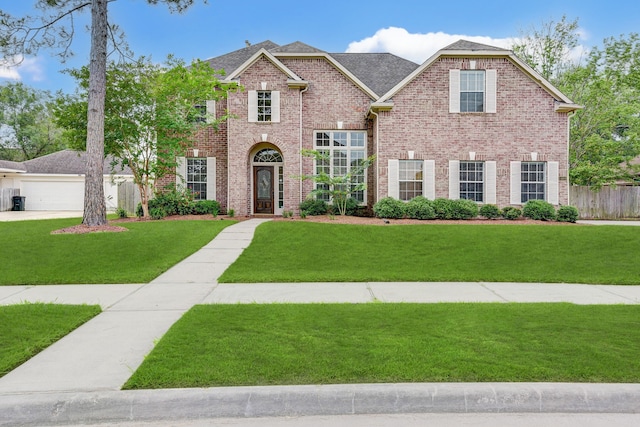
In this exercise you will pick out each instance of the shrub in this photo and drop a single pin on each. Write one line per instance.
(352, 207)
(464, 209)
(231, 213)
(122, 212)
(157, 212)
(389, 208)
(539, 210)
(510, 212)
(204, 207)
(420, 208)
(443, 208)
(490, 211)
(314, 207)
(567, 214)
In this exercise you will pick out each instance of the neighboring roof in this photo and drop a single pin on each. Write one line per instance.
(9, 166)
(379, 71)
(67, 162)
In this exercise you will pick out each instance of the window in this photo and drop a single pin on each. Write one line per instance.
(342, 150)
(197, 177)
(472, 181)
(472, 90)
(200, 113)
(532, 181)
(264, 106)
(410, 178)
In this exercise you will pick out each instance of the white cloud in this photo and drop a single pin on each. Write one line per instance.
(29, 68)
(417, 47)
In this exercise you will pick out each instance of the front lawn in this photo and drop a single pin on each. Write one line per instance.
(311, 252)
(28, 329)
(33, 256)
(233, 345)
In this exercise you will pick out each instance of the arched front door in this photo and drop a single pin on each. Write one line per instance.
(268, 189)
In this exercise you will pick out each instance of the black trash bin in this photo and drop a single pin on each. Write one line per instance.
(18, 203)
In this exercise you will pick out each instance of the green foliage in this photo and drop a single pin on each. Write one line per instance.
(351, 206)
(443, 208)
(464, 209)
(157, 213)
(339, 187)
(27, 123)
(567, 214)
(420, 208)
(511, 213)
(389, 208)
(539, 210)
(204, 207)
(231, 213)
(121, 212)
(313, 207)
(489, 211)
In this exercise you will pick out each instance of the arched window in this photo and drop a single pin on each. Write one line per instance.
(267, 155)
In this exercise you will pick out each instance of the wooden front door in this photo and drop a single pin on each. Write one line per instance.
(263, 189)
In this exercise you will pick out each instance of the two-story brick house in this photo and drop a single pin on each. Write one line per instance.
(472, 122)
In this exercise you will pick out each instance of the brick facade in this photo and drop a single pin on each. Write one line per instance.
(418, 121)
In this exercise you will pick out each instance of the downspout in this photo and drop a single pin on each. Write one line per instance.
(377, 142)
(301, 137)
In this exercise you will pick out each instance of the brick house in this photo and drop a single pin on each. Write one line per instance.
(472, 122)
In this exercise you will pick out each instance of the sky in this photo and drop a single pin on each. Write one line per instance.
(414, 30)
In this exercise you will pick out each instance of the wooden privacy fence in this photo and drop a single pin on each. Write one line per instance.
(128, 196)
(606, 203)
(6, 201)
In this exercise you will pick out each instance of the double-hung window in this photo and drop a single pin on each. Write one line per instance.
(342, 151)
(197, 177)
(532, 181)
(264, 106)
(410, 178)
(472, 181)
(472, 90)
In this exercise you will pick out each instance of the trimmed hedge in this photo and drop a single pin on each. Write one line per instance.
(389, 208)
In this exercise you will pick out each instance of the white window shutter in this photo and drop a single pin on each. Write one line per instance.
(429, 179)
(394, 178)
(454, 179)
(490, 182)
(553, 188)
(211, 178)
(491, 89)
(516, 191)
(275, 106)
(211, 111)
(253, 106)
(181, 172)
(454, 91)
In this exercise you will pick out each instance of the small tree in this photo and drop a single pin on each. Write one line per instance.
(339, 188)
(150, 115)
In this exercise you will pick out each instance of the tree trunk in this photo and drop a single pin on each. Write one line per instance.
(95, 209)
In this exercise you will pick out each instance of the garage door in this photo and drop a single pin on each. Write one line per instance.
(53, 195)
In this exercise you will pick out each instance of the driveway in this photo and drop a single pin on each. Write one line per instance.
(26, 215)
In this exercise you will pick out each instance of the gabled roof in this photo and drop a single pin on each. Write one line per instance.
(231, 61)
(9, 166)
(66, 162)
(472, 46)
(295, 47)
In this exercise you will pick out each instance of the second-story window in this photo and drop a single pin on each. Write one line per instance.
(264, 106)
(472, 90)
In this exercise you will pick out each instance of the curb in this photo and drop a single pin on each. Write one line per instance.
(289, 401)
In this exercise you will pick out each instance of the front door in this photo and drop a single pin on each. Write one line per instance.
(263, 189)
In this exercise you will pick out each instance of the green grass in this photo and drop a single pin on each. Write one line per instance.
(27, 329)
(312, 252)
(33, 256)
(233, 345)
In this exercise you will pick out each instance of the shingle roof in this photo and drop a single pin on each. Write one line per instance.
(467, 45)
(9, 166)
(66, 162)
(379, 71)
(296, 47)
(232, 60)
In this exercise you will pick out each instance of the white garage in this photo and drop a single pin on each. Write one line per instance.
(55, 182)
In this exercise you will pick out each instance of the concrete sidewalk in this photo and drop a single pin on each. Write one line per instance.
(78, 379)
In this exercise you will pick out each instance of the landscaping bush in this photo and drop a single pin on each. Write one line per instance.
(420, 208)
(443, 208)
(157, 212)
(121, 212)
(352, 207)
(314, 207)
(539, 210)
(464, 209)
(490, 211)
(204, 207)
(389, 208)
(567, 214)
(510, 212)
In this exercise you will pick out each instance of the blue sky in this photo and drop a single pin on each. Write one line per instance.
(411, 29)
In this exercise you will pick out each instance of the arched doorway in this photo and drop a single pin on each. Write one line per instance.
(268, 184)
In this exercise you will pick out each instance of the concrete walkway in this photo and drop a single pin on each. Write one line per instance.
(78, 379)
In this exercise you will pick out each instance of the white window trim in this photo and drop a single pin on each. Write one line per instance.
(490, 88)
(181, 176)
(253, 106)
(428, 179)
(553, 183)
(489, 190)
